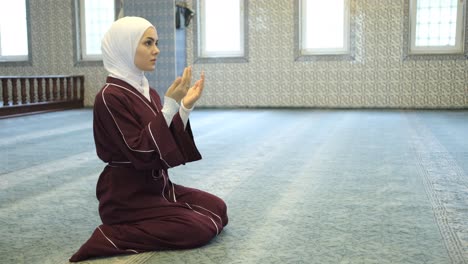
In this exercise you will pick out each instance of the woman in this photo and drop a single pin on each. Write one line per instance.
(139, 139)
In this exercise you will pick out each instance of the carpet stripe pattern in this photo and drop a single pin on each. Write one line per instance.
(301, 185)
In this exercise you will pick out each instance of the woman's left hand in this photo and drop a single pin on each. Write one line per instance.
(194, 93)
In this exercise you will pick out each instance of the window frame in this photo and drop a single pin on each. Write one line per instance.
(457, 49)
(344, 54)
(408, 54)
(24, 60)
(198, 38)
(79, 41)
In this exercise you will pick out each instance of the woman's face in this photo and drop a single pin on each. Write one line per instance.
(147, 50)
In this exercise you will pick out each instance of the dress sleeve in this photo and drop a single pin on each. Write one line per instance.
(184, 137)
(147, 145)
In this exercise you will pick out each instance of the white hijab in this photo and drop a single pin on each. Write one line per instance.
(118, 48)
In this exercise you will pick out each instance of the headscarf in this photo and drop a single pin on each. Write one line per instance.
(118, 48)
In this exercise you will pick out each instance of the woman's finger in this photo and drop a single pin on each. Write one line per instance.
(186, 77)
(175, 84)
(190, 74)
(203, 77)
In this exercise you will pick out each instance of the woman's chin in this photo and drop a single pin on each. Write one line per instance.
(150, 68)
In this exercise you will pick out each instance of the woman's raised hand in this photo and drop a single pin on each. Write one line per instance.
(195, 92)
(180, 86)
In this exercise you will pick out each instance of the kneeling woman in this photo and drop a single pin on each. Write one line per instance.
(139, 139)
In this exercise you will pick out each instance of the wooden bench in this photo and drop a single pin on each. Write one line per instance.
(31, 94)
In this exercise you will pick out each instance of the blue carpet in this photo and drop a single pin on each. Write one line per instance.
(302, 186)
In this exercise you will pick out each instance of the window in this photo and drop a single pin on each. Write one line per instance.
(436, 26)
(324, 27)
(221, 29)
(14, 44)
(95, 18)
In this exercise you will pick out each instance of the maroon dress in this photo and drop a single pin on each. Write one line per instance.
(141, 209)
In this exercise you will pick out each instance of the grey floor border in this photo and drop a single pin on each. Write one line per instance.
(421, 136)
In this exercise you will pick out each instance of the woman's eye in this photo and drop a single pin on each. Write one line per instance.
(157, 43)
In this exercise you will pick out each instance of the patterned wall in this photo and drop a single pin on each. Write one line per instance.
(52, 46)
(378, 77)
(160, 13)
(52, 30)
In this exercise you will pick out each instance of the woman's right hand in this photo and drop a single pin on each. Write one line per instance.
(180, 86)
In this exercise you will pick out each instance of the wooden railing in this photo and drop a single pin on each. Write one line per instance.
(28, 94)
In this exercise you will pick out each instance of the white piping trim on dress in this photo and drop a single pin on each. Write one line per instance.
(113, 118)
(154, 102)
(114, 244)
(159, 151)
(214, 223)
(164, 186)
(149, 128)
(108, 238)
(209, 211)
(166, 179)
(173, 192)
(136, 96)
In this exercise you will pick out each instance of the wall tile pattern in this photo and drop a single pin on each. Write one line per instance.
(52, 39)
(378, 77)
(160, 13)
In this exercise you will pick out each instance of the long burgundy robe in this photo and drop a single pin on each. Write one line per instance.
(141, 209)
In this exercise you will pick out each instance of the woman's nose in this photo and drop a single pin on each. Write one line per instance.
(156, 50)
